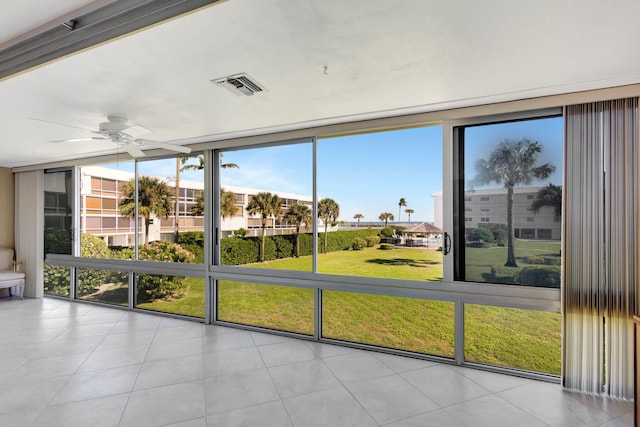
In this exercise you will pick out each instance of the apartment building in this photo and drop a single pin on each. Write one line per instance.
(488, 208)
(100, 214)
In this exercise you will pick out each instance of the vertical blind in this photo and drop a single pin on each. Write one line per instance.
(600, 246)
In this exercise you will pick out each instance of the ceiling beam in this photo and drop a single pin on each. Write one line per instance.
(105, 23)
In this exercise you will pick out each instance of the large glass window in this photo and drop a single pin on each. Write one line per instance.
(58, 229)
(511, 202)
(170, 208)
(513, 337)
(107, 231)
(170, 294)
(282, 308)
(380, 204)
(266, 207)
(416, 325)
(107, 287)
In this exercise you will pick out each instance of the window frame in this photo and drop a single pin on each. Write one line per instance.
(450, 290)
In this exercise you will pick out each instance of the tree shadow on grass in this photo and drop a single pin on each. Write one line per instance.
(403, 261)
(119, 296)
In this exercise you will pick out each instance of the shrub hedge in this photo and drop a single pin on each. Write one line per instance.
(358, 244)
(548, 277)
(387, 232)
(235, 251)
(372, 241)
(57, 278)
(151, 287)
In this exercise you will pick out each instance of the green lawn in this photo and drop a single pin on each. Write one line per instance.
(522, 339)
(480, 260)
(191, 304)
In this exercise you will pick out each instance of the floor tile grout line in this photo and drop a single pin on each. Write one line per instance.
(521, 409)
(48, 404)
(124, 408)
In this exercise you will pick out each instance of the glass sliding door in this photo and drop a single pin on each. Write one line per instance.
(508, 232)
(510, 209)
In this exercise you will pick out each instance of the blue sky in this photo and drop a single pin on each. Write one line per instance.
(481, 140)
(365, 174)
(369, 173)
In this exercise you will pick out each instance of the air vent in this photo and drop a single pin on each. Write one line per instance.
(240, 84)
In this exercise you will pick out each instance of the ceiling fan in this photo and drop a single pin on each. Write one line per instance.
(126, 136)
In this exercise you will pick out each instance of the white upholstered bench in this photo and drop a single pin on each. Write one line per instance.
(9, 278)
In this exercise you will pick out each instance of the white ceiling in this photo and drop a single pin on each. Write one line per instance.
(382, 58)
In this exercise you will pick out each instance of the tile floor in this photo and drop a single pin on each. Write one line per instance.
(65, 364)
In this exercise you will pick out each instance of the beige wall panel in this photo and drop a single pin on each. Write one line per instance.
(7, 207)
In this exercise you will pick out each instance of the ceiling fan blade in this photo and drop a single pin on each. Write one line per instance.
(91, 138)
(165, 145)
(133, 151)
(136, 131)
(59, 124)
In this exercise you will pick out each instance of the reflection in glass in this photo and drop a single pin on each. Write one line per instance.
(513, 202)
(380, 204)
(513, 337)
(416, 325)
(276, 307)
(266, 205)
(109, 287)
(170, 294)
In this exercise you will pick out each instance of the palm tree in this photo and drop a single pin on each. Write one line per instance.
(266, 205)
(297, 215)
(328, 211)
(154, 197)
(181, 166)
(409, 212)
(200, 164)
(190, 166)
(227, 203)
(512, 163)
(402, 203)
(198, 209)
(358, 217)
(386, 216)
(551, 196)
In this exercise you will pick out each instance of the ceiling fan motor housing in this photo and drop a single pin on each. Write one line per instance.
(112, 126)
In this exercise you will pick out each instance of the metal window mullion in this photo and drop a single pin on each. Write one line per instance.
(136, 220)
(459, 331)
(314, 239)
(317, 306)
(447, 198)
(131, 291)
(75, 249)
(209, 301)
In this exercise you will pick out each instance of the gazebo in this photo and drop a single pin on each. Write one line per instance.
(427, 229)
